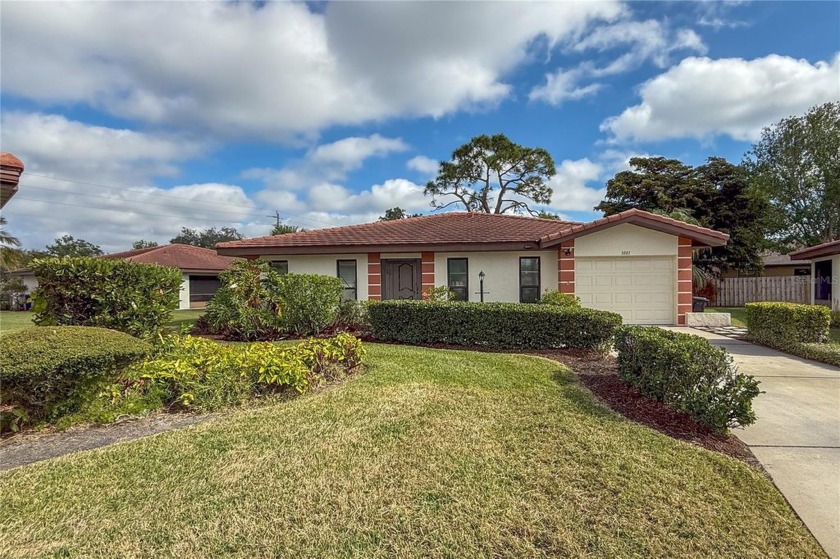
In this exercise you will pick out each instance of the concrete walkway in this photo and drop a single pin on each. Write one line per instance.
(797, 435)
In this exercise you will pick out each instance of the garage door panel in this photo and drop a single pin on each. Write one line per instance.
(640, 289)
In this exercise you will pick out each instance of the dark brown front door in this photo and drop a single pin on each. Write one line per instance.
(401, 279)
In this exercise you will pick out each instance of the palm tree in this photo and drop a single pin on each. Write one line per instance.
(11, 255)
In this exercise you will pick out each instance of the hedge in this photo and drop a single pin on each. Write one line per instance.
(782, 325)
(117, 294)
(687, 373)
(45, 368)
(496, 325)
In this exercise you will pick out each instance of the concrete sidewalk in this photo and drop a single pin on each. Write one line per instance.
(797, 435)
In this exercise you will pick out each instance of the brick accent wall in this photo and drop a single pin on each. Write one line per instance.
(566, 267)
(374, 275)
(684, 286)
(428, 271)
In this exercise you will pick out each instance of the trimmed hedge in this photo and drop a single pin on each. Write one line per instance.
(782, 325)
(687, 373)
(559, 299)
(45, 368)
(117, 294)
(496, 325)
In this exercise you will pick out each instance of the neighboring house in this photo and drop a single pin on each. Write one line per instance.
(825, 271)
(634, 263)
(200, 268)
(10, 170)
(776, 265)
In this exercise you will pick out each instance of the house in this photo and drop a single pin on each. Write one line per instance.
(825, 271)
(634, 263)
(775, 264)
(200, 268)
(10, 170)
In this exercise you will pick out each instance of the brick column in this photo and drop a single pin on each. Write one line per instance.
(374, 276)
(684, 285)
(566, 267)
(428, 271)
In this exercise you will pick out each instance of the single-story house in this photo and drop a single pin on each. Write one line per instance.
(775, 264)
(200, 268)
(634, 263)
(825, 272)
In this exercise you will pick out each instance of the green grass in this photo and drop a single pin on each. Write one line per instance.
(15, 320)
(739, 314)
(430, 454)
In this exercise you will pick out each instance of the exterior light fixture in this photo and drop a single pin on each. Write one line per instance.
(481, 276)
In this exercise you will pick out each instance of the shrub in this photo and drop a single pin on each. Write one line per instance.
(255, 302)
(687, 373)
(559, 299)
(198, 374)
(48, 371)
(499, 325)
(835, 319)
(309, 302)
(117, 294)
(353, 315)
(440, 293)
(782, 325)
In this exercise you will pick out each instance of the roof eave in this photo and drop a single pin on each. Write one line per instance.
(380, 248)
(699, 239)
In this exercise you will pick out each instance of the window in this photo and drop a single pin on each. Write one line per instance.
(347, 275)
(281, 266)
(529, 279)
(458, 278)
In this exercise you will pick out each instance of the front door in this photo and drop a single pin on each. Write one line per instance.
(401, 279)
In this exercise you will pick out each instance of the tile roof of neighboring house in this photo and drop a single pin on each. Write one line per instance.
(186, 257)
(772, 259)
(826, 249)
(456, 228)
(10, 160)
(460, 231)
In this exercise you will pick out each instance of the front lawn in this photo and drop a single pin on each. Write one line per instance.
(739, 314)
(432, 453)
(15, 320)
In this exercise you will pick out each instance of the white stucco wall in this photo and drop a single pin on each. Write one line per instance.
(184, 296)
(30, 282)
(626, 240)
(326, 265)
(501, 269)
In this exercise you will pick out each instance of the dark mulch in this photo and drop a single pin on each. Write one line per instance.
(599, 373)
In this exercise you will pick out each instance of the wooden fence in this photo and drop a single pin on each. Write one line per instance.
(735, 292)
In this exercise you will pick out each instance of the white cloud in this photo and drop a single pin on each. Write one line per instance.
(349, 154)
(571, 192)
(643, 41)
(423, 164)
(701, 97)
(277, 70)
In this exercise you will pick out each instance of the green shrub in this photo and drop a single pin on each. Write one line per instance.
(688, 374)
(48, 371)
(559, 299)
(826, 353)
(255, 302)
(309, 302)
(353, 315)
(781, 325)
(499, 325)
(835, 319)
(116, 294)
(440, 293)
(199, 374)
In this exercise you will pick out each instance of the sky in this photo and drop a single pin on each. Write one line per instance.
(135, 119)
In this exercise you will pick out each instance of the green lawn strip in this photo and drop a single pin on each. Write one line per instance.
(16, 320)
(430, 454)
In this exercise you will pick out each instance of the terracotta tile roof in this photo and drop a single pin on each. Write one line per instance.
(10, 160)
(441, 229)
(701, 236)
(826, 249)
(186, 257)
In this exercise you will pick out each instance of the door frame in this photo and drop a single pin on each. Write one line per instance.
(392, 263)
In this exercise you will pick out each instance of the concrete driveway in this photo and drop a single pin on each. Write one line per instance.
(797, 435)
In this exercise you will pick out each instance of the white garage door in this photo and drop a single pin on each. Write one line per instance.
(640, 289)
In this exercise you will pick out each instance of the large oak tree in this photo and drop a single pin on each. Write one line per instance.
(492, 174)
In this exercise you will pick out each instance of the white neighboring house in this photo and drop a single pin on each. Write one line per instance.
(825, 272)
(200, 268)
(634, 263)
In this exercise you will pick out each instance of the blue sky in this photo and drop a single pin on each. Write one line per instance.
(135, 119)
